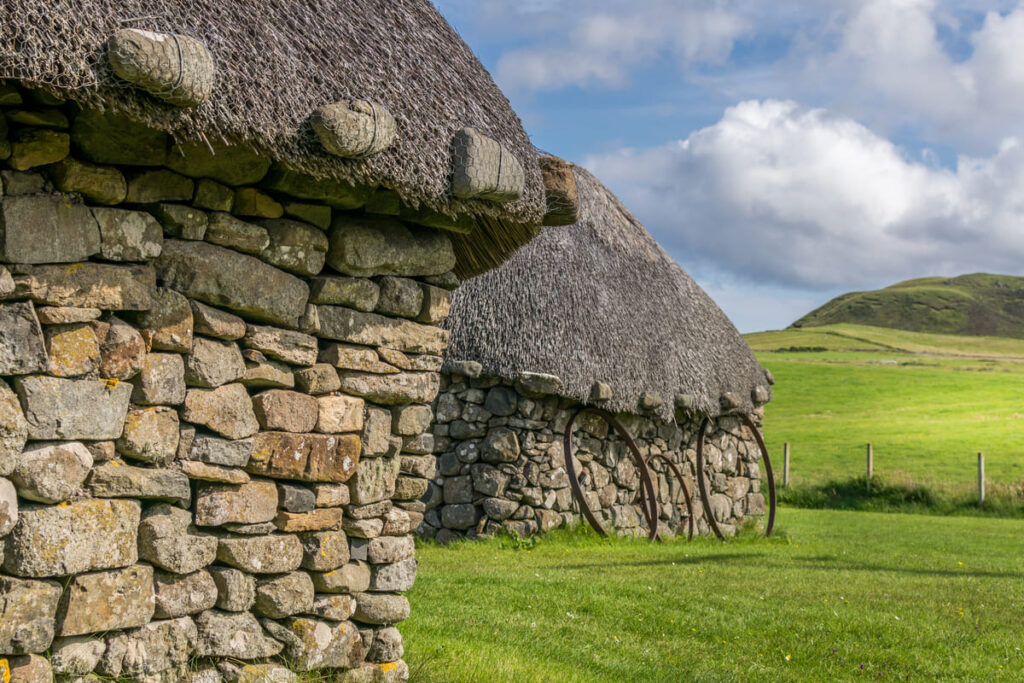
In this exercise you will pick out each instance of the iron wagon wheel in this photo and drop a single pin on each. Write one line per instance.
(682, 483)
(648, 498)
(770, 475)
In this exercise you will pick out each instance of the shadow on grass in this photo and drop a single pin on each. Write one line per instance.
(834, 564)
(724, 558)
(904, 495)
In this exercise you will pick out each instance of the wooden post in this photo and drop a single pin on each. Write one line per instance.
(871, 464)
(981, 479)
(785, 465)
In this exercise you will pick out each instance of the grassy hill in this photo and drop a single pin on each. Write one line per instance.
(927, 402)
(977, 305)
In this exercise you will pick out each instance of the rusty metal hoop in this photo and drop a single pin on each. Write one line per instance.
(682, 483)
(648, 498)
(705, 499)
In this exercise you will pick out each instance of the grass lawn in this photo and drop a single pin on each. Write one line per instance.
(838, 596)
(928, 403)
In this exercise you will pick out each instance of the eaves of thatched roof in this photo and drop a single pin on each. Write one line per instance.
(601, 301)
(279, 60)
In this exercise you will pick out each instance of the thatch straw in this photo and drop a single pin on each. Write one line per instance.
(601, 301)
(279, 60)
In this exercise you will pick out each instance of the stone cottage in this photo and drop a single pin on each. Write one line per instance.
(228, 238)
(592, 312)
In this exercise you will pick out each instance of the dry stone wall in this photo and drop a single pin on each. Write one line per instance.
(211, 371)
(501, 465)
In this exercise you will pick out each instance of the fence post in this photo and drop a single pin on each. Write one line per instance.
(981, 479)
(871, 464)
(785, 465)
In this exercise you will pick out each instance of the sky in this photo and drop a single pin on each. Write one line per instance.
(782, 152)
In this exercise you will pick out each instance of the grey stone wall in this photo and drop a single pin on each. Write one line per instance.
(211, 369)
(501, 465)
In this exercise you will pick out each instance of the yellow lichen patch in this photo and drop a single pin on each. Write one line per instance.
(72, 349)
(112, 383)
(389, 666)
(5, 671)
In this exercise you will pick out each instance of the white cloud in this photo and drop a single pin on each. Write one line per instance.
(802, 197)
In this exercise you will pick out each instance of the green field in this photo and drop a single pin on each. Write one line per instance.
(840, 596)
(928, 403)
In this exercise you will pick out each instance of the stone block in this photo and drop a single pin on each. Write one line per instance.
(282, 596)
(8, 507)
(352, 292)
(501, 445)
(122, 349)
(179, 595)
(108, 600)
(13, 429)
(295, 498)
(250, 503)
(424, 466)
(71, 231)
(213, 196)
(168, 540)
(397, 577)
(233, 634)
(317, 215)
(226, 410)
(410, 488)
(52, 472)
(22, 345)
(128, 235)
(225, 163)
(331, 495)
(236, 590)
(287, 411)
(538, 385)
(397, 389)
(352, 577)
(27, 613)
(182, 222)
(216, 451)
(499, 509)
(251, 202)
(312, 644)
(374, 480)
(459, 516)
(390, 549)
(273, 554)
(61, 315)
(339, 413)
(305, 457)
(227, 231)
(212, 363)
(159, 651)
(324, 551)
(296, 247)
(108, 138)
(353, 357)
(161, 380)
(76, 655)
(214, 322)
(501, 401)
(31, 147)
(262, 372)
(366, 245)
(411, 420)
(437, 304)
(118, 480)
(376, 431)
(150, 187)
(167, 325)
(150, 435)
(91, 285)
(226, 278)
(399, 296)
(285, 345)
(28, 669)
(334, 607)
(319, 379)
(205, 472)
(381, 608)
(371, 329)
(71, 409)
(317, 520)
(334, 193)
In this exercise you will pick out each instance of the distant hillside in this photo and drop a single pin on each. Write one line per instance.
(977, 305)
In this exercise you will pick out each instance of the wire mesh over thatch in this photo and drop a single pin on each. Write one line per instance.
(601, 301)
(279, 60)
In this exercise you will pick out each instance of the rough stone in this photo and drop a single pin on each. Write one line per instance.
(296, 247)
(396, 389)
(423, 362)
(167, 325)
(273, 554)
(323, 551)
(168, 540)
(283, 596)
(334, 193)
(318, 379)
(71, 231)
(459, 516)
(90, 285)
(212, 363)
(410, 488)
(305, 457)
(222, 162)
(216, 451)
(317, 520)
(128, 235)
(265, 673)
(376, 431)
(117, 480)
(387, 645)
(262, 372)
(352, 577)
(353, 292)
(103, 601)
(320, 216)
(13, 429)
(179, 595)
(51, 473)
(499, 509)
(122, 349)
(339, 413)
(63, 315)
(371, 329)
(8, 507)
(538, 385)
(157, 652)
(501, 401)
(398, 522)
(331, 495)
(366, 245)
(314, 644)
(233, 634)
(397, 577)
(334, 607)
(213, 196)
(236, 590)
(381, 608)
(180, 221)
(29, 669)
(108, 138)
(226, 410)
(411, 420)
(150, 435)
(250, 503)
(214, 322)
(285, 345)
(17, 183)
(149, 187)
(227, 231)
(390, 549)
(161, 380)
(70, 409)
(295, 498)
(22, 346)
(204, 472)
(437, 304)
(374, 480)
(31, 147)
(400, 297)
(501, 445)
(424, 466)
(72, 349)
(76, 655)
(222, 277)
(251, 202)
(27, 614)
(352, 357)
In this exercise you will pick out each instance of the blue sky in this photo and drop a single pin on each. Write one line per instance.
(782, 152)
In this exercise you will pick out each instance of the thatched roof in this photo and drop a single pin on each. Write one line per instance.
(276, 62)
(601, 301)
